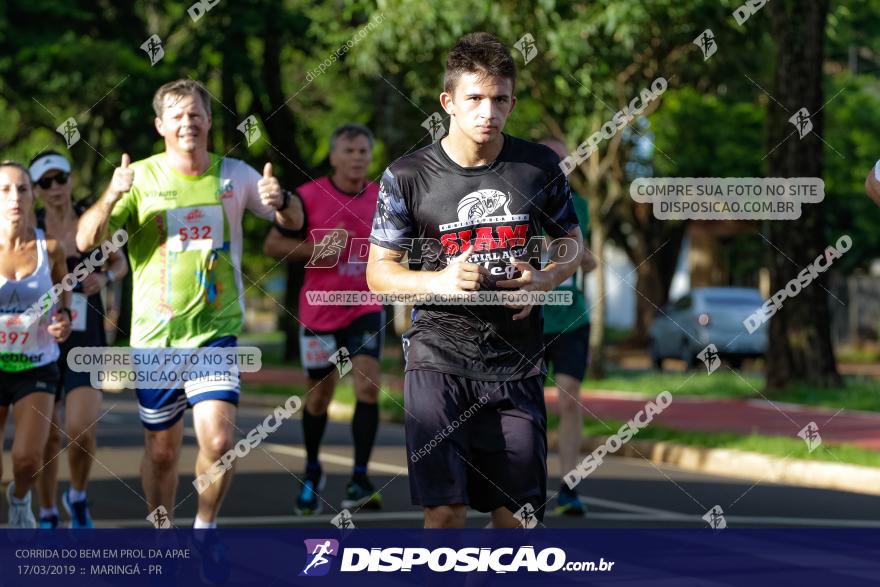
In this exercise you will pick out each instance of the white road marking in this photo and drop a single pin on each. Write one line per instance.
(335, 459)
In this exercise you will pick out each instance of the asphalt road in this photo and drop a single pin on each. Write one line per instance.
(621, 493)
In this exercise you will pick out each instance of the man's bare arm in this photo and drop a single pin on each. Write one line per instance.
(285, 248)
(93, 224)
(291, 217)
(385, 274)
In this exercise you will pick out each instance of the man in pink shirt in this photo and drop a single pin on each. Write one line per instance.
(338, 213)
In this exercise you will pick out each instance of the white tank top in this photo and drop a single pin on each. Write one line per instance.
(24, 346)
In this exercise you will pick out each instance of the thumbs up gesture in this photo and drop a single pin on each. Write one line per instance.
(270, 189)
(123, 178)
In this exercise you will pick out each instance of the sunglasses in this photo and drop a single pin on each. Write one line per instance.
(60, 179)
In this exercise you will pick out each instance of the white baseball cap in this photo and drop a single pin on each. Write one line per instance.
(46, 162)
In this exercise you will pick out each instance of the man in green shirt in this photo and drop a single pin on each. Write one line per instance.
(183, 211)
(566, 345)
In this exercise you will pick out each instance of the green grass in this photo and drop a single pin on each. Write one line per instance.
(859, 393)
(777, 446)
(392, 405)
(866, 355)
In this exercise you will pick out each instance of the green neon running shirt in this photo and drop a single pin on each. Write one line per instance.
(558, 319)
(184, 248)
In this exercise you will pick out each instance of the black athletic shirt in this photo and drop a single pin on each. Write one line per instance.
(433, 207)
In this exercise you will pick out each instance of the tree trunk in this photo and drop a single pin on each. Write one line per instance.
(655, 257)
(282, 128)
(598, 236)
(800, 348)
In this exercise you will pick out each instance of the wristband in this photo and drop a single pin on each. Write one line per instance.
(68, 312)
(285, 202)
(877, 170)
(111, 277)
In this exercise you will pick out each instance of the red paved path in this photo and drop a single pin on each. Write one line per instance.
(687, 412)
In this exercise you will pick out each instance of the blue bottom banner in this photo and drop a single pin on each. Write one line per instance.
(266, 557)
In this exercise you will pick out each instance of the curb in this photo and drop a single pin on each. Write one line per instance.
(746, 465)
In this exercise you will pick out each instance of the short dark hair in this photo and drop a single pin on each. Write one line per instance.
(479, 53)
(180, 88)
(350, 131)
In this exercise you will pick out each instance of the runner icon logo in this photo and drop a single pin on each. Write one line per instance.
(342, 520)
(810, 434)
(710, 358)
(715, 518)
(154, 50)
(159, 518)
(526, 516)
(69, 130)
(318, 552)
(706, 43)
(342, 359)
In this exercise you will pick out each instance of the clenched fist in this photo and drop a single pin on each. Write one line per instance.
(460, 275)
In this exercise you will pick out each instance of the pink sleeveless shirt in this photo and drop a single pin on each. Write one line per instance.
(328, 208)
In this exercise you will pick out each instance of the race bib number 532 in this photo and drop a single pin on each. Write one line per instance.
(198, 228)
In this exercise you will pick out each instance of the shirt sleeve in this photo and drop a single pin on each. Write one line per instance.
(249, 177)
(558, 216)
(393, 226)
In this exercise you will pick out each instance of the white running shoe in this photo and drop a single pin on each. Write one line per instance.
(19, 515)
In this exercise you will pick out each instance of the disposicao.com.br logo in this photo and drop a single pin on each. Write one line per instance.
(441, 560)
(318, 552)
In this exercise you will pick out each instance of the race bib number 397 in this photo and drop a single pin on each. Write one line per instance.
(16, 336)
(198, 228)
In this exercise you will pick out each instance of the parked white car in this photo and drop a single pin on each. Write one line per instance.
(709, 315)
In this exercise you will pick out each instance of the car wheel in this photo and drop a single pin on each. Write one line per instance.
(656, 359)
(686, 355)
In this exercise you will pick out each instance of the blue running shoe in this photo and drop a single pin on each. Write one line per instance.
(308, 503)
(49, 522)
(78, 510)
(361, 494)
(569, 503)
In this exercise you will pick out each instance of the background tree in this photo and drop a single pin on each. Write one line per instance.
(800, 342)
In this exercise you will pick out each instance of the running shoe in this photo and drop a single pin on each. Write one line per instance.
(49, 522)
(20, 514)
(361, 495)
(78, 511)
(569, 503)
(308, 503)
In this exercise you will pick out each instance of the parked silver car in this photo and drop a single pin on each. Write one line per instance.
(708, 315)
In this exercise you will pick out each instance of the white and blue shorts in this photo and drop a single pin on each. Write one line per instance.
(162, 408)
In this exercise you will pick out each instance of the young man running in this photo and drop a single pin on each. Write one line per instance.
(31, 327)
(183, 210)
(51, 174)
(474, 374)
(340, 206)
(566, 347)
